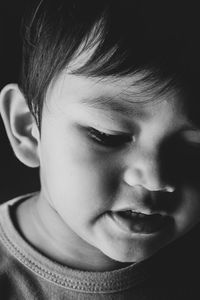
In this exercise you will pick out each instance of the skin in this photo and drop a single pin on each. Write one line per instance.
(82, 180)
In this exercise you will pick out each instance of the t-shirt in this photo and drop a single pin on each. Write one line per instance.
(25, 273)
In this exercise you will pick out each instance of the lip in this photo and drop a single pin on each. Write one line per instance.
(140, 223)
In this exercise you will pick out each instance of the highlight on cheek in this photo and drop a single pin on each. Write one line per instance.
(192, 136)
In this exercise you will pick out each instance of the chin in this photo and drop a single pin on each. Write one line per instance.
(131, 255)
(134, 248)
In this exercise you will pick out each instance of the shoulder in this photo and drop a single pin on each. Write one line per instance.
(7, 228)
(15, 200)
(13, 274)
(8, 233)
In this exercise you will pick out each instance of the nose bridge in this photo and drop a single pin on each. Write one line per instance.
(144, 163)
(148, 169)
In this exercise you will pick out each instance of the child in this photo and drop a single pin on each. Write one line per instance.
(107, 107)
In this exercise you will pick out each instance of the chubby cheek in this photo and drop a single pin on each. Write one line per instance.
(188, 213)
(78, 178)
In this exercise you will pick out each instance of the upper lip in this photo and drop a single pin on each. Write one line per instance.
(140, 211)
(147, 203)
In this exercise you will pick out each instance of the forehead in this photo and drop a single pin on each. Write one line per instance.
(127, 89)
(124, 95)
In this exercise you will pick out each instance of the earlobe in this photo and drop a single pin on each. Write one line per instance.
(20, 125)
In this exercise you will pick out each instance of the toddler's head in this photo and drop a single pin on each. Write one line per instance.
(105, 107)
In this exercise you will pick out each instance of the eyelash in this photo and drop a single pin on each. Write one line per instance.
(109, 140)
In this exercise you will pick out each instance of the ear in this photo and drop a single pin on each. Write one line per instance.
(20, 125)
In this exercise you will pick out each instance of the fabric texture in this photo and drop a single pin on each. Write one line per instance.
(27, 274)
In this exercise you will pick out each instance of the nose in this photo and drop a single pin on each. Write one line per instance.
(143, 169)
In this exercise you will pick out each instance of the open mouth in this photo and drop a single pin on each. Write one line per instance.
(137, 222)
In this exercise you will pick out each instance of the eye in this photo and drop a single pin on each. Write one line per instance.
(109, 140)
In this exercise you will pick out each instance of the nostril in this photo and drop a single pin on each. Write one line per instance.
(169, 189)
(150, 182)
(166, 189)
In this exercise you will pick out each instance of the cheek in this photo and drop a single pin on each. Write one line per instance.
(188, 214)
(80, 178)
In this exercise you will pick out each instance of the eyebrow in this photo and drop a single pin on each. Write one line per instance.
(114, 104)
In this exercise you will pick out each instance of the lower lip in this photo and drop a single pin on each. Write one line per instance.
(147, 224)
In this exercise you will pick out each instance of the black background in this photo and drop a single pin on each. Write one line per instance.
(15, 178)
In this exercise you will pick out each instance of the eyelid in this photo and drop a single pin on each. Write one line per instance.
(109, 133)
(109, 140)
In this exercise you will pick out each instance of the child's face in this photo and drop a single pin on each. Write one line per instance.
(92, 179)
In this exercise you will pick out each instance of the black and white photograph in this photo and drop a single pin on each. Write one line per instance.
(99, 150)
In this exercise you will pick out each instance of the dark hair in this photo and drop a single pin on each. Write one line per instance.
(153, 38)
